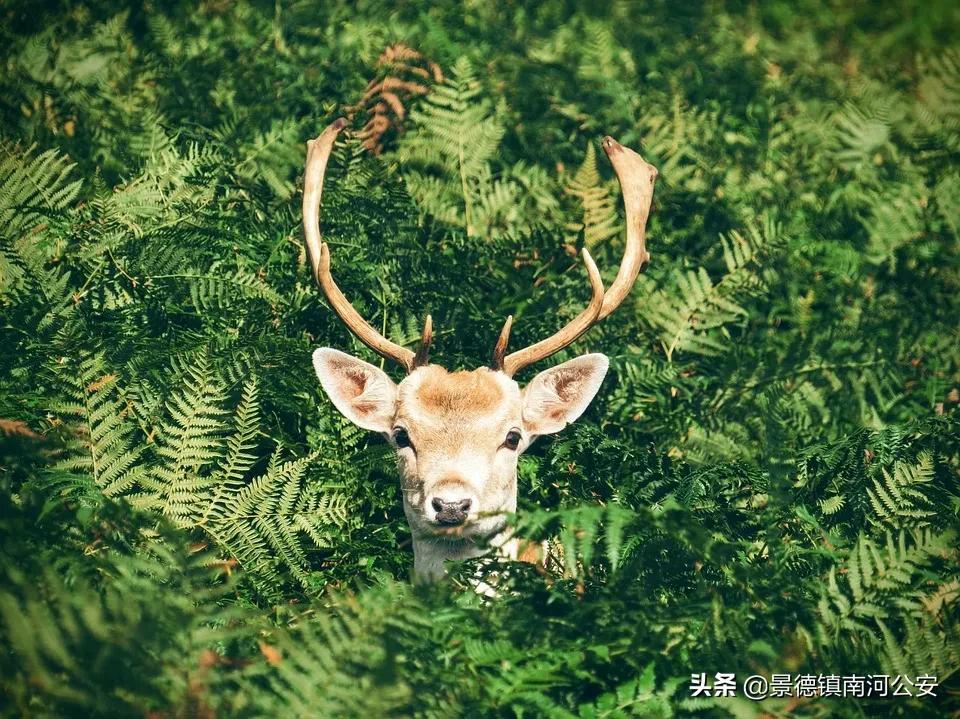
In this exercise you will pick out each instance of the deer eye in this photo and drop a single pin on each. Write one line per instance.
(401, 437)
(513, 439)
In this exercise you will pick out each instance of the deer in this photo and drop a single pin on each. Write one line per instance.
(458, 435)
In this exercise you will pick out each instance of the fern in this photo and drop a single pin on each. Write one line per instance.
(863, 133)
(638, 696)
(693, 315)
(239, 458)
(765, 482)
(449, 157)
(692, 312)
(674, 134)
(600, 222)
(260, 525)
(406, 75)
(66, 639)
(898, 500)
(458, 135)
(894, 220)
(947, 193)
(882, 583)
(925, 649)
(189, 443)
(939, 88)
(32, 187)
(340, 647)
(214, 290)
(580, 531)
(202, 481)
(102, 457)
(36, 195)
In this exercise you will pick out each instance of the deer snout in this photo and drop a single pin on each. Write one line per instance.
(450, 508)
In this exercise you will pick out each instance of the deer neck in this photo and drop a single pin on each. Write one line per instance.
(430, 554)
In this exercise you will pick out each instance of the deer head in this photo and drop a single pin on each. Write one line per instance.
(458, 435)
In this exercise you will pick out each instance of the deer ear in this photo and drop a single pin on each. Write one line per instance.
(364, 394)
(557, 396)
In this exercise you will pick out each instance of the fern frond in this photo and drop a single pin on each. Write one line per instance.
(450, 167)
(349, 648)
(882, 584)
(690, 316)
(239, 459)
(189, 442)
(599, 221)
(581, 531)
(102, 457)
(898, 499)
(863, 132)
(31, 187)
(939, 88)
(403, 74)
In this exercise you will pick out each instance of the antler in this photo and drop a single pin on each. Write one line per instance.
(318, 153)
(636, 178)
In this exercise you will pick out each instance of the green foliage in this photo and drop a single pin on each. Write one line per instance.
(880, 584)
(204, 479)
(102, 457)
(600, 222)
(450, 155)
(898, 499)
(767, 483)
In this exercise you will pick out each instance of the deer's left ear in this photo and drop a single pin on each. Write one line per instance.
(558, 396)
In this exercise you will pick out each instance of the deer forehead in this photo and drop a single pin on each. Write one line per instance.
(433, 398)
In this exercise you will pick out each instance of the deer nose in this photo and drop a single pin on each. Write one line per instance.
(451, 513)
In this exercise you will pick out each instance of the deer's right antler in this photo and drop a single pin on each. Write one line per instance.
(318, 153)
(636, 178)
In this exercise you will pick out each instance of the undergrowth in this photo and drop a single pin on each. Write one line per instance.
(767, 482)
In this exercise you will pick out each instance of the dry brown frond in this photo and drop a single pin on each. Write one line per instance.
(402, 74)
(17, 428)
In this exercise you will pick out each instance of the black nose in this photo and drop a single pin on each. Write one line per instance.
(451, 513)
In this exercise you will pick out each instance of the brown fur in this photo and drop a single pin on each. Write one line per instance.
(450, 392)
(530, 552)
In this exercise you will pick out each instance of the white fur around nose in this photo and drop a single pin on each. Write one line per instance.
(457, 476)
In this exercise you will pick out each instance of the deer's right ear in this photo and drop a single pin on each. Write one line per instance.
(363, 393)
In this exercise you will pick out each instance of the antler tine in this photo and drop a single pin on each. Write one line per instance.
(426, 337)
(500, 349)
(516, 361)
(636, 179)
(318, 154)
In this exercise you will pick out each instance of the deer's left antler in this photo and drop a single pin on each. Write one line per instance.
(636, 178)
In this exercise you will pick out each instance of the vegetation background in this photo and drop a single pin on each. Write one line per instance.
(767, 483)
